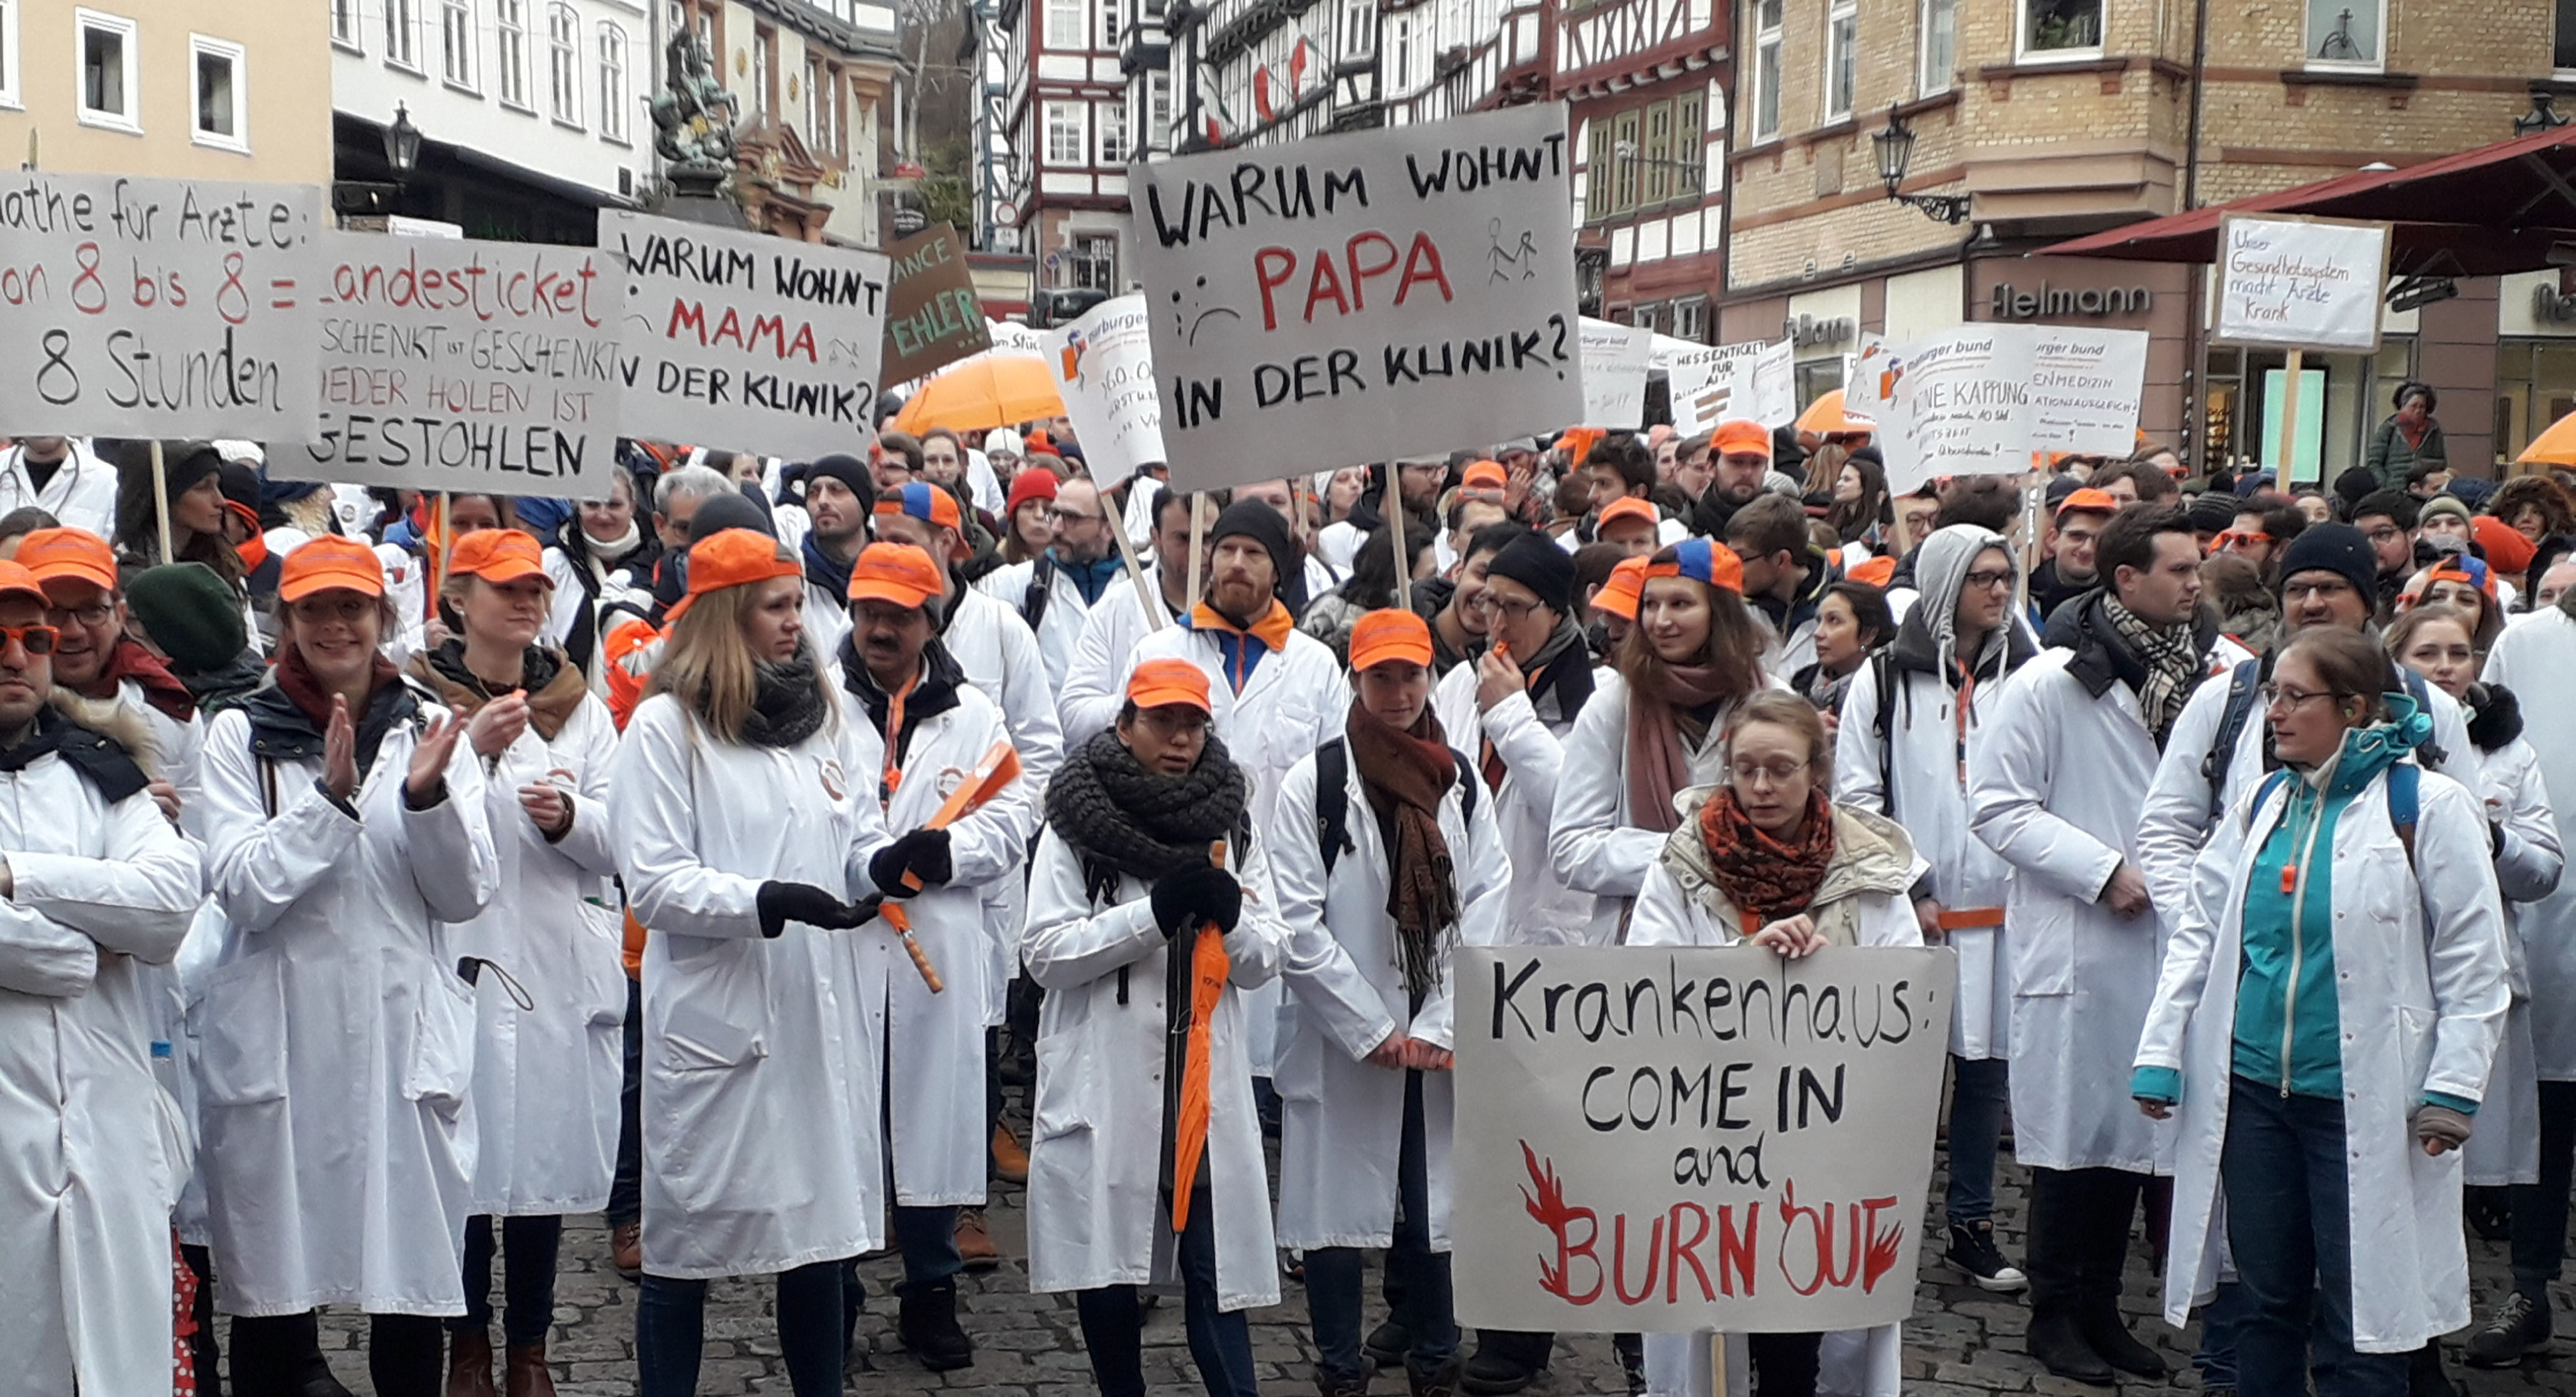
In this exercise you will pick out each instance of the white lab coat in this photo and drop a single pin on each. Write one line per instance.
(1543, 910)
(2537, 660)
(1059, 629)
(763, 1086)
(1000, 655)
(103, 896)
(2506, 1147)
(2055, 789)
(1595, 844)
(2419, 999)
(546, 1081)
(338, 1039)
(1096, 1212)
(934, 1043)
(81, 494)
(1922, 748)
(1342, 1116)
(1095, 681)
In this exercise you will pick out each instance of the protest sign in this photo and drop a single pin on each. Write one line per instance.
(1980, 399)
(1713, 383)
(463, 365)
(2300, 283)
(743, 341)
(1104, 367)
(157, 307)
(933, 316)
(1356, 297)
(1614, 374)
(1014, 337)
(1685, 1138)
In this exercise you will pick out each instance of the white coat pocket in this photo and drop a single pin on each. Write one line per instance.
(442, 1044)
(1063, 1075)
(2043, 947)
(242, 1032)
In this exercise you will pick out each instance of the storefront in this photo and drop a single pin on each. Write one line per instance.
(2535, 358)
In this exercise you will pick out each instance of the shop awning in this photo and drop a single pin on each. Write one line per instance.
(2482, 212)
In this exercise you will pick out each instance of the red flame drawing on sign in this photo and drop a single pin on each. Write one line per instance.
(1558, 1217)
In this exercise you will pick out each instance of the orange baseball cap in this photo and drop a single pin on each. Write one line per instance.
(498, 555)
(1874, 571)
(1704, 560)
(1389, 634)
(331, 563)
(1484, 475)
(922, 501)
(17, 581)
(68, 555)
(897, 573)
(1627, 507)
(2089, 501)
(732, 558)
(1164, 683)
(1741, 436)
(1618, 596)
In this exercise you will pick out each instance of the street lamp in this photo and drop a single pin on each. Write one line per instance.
(402, 144)
(2543, 116)
(1894, 150)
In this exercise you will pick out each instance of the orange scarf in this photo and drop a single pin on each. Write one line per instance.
(1272, 629)
(1209, 969)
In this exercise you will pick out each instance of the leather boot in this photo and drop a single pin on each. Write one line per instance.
(528, 1374)
(2110, 1338)
(926, 1321)
(1439, 1382)
(2058, 1343)
(626, 1249)
(469, 1363)
(1328, 1385)
(1505, 1361)
(1010, 1157)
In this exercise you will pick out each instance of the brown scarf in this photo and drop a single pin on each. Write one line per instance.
(1404, 774)
(1765, 878)
(1659, 766)
(296, 680)
(553, 687)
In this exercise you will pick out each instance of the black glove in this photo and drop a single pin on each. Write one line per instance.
(781, 903)
(923, 853)
(1200, 893)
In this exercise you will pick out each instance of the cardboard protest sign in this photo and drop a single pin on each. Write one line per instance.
(1694, 1137)
(1357, 297)
(1714, 383)
(157, 307)
(933, 316)
(1980, 399)
(464, 365)
(2300, 283)
(1614, 374)
(744, 341)
(1104, 366)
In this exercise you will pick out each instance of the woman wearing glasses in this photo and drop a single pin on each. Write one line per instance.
(345, 828)
(2330, 1003)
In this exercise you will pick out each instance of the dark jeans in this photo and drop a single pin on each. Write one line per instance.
(1980, 1095)
(529, 1247)
(276, 1355)
(2283, 1168)
(626, 1190)
(2079, 1238)
(1113, 1323)
(1418, 1276)
(2540, 1210)
(670, 1329)
(2219, 1321)
(1784, 1365)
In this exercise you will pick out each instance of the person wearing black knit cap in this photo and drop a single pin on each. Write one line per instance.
(192, 471)
(839, 497)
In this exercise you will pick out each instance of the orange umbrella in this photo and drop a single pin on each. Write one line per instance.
(2556, 447)
(1825, 417)
(993, 389)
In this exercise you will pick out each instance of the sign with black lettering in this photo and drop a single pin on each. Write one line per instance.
(1356, 297)
(933, 316)
(744, 341)
(1674, 1139)
(1104, 368)
(157, 307)
(450, 364)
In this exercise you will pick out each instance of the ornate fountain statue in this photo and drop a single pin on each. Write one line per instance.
(693, 118)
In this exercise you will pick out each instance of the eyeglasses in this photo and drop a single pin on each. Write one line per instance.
(1515, 611)
(1779, 772)
(2234, 539)
(2327, 589)
(1987, 579)
(1068, 516)
(2385, 533)
(38, 640)
(94, 614)
(319, 609)
(2279, 697)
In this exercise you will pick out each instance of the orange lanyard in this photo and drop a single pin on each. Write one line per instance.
(893, 777)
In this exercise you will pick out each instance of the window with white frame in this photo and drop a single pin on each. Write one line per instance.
(109, 78)
(1109, 16)
(1623, 157)
(1111, 118)
(402, 33)
(612, 82)
(456, 42)
(2345, 34)
(1065, 23)
(1658, 159)
(1158, 107)
(1400, 48)
(2061, 29)
(348, 28)
(1690, 319)
(510, 51)
(1766, 69)
(1644, 317)
(829, 113)
(764, 66)
(9, 53)
(1842, 36)
(215, 90)
(1690, 148)
(1065, 133)
(1594, 193)
(1359, 28)
(563, 63)
(1939, 57)
(1095, 262)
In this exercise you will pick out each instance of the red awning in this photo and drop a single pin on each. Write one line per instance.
(2481, 212)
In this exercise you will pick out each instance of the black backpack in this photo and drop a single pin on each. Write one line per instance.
(2244, 686)
(1033, 603)
(1333, 798)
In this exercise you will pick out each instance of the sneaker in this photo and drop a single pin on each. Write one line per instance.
(975, 1242)
(1973, 1253)
(2517, 1327)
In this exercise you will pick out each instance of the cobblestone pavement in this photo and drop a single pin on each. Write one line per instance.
(1961, 1340)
